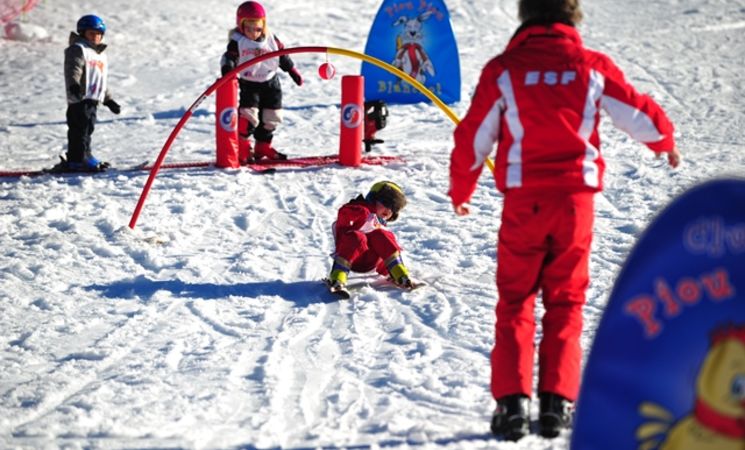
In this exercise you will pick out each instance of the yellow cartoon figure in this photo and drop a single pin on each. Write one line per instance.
(718, 417)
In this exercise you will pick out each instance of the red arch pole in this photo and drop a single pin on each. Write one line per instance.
(287, 51)
(187, 115)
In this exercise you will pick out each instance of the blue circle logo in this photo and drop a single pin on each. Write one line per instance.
(229, 119)
(351, 115)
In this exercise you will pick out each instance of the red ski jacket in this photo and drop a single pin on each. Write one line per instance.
(354, 216)
(540, 101)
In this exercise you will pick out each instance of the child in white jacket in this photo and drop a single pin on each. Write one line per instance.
(260, 104)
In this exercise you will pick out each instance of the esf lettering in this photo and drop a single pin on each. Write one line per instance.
(673, 299)
(549, 77)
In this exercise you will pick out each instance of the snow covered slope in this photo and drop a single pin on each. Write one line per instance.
(205, 327)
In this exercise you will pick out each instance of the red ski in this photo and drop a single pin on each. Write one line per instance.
(264, 166)
(309, 161)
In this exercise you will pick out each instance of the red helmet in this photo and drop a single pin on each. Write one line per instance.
(249, 11)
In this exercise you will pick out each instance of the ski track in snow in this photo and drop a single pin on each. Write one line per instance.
(207, 326)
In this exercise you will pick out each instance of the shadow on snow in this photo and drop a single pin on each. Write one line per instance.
(389, 443)
(300, 292)
(162, 115)
(172, 114)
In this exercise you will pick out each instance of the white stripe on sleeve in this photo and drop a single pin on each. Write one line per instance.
(487, 134)
(631, 120)
(515, 152)
(590, 169)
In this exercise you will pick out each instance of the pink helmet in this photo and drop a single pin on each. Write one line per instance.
(249, 11)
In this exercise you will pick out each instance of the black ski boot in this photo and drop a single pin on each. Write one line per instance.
(556, 414)
(511, 419)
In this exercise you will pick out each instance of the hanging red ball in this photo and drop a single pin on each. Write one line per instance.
(326, 71)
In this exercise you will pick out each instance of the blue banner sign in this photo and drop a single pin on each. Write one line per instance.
(667, 366)
(416, 37)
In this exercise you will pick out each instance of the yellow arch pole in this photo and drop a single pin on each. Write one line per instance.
(286, 51)
(406, 77)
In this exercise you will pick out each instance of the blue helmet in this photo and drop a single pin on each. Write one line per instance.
(91, 22)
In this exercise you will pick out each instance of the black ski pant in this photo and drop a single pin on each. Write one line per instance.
(262, 95)
(81, 121)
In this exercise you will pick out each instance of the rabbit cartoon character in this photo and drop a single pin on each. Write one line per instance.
(411, 57)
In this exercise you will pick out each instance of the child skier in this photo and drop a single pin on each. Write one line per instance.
(260, 104)
(363, 242)
(86, 76)
(539, 102)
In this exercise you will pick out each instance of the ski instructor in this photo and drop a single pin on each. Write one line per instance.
(540, 102)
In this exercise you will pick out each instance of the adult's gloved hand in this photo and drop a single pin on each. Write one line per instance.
(296, 77)
(113, 106)
(76, 90)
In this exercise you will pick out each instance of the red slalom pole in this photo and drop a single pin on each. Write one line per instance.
(352, 118)
(226, 125)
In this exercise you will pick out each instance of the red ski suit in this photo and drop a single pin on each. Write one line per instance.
(361, 239)
(540, 102)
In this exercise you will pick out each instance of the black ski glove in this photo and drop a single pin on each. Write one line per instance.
(227, 67)
(113, 106)
(76, 90)
(296, 77)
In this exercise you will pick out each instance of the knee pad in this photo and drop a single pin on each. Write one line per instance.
(271, 118)
(251, 114)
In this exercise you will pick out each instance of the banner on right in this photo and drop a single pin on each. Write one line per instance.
(667, 365)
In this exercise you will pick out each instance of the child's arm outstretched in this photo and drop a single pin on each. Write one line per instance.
(286, 64)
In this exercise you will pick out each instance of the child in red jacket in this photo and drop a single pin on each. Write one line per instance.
(363, 242)
(540, 103)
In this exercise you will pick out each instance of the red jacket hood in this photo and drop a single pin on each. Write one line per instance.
(553, 29)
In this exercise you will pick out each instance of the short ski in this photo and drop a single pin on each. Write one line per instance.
(337, 291)
(345, 292)
(414, 285)
(263, 166)
(145, 166)
(388, 282)
(327, 160)
(57, 170)
(207, 164)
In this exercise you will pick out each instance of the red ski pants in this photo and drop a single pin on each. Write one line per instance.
(544, 245)
(367, 251)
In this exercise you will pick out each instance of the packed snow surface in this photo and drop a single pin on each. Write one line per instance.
(206, 326)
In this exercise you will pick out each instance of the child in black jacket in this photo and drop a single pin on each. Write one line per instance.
(86, 77)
